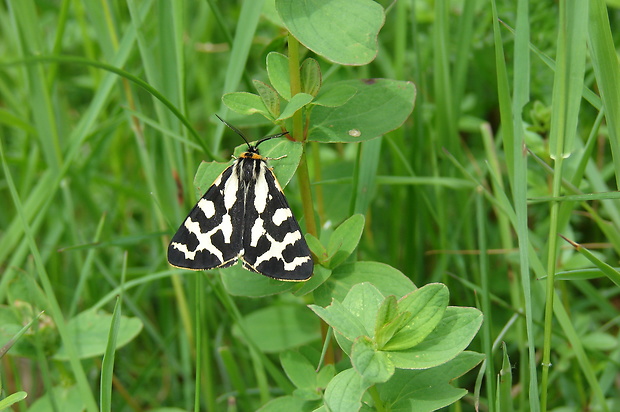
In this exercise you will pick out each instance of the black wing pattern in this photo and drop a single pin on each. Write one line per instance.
(273, 244)
(211, 235)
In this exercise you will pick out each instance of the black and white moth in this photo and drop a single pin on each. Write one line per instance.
(243, 216)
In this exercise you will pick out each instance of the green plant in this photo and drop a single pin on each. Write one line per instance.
(377, 332)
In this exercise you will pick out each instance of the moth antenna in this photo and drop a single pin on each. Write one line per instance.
(234, 129)
(273, 136)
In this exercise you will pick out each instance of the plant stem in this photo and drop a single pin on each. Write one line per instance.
(303, 176)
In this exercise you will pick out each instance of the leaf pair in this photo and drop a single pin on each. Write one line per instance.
(268, 100)
(415, 332)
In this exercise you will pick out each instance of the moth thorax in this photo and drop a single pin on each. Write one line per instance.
(249, 170)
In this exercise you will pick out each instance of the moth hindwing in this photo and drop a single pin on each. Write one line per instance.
(243, 216)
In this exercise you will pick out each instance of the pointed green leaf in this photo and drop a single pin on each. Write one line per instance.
(453, 334)
(246, 103)
(325, 375)
(277, 71)
(504, 384)
(341, 319)
(426, 307)
(608, 270)
(297, 102)
(387, 312)
(310, 72)
(385, 332)
(316, 247)
(298, 369)
(344, 240)
(12, 399)
(270, 97)
(389, 320)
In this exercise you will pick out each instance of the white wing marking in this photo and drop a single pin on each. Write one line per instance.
(281, 215)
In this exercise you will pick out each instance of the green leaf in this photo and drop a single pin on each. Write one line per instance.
(600, 341)
(240, 282)
(9, 119)
(453, 334)
(316, 247)
(387, 331)
(386, 279)
(12, 399)
(429, 389)
(283, 168)
(363, 302)
(378, 106)
(107, 364)
(325, 375)
(387, 312)
(289, 403)
(89, 331)
(69, 397)
(344, 392)
(426, 306)
(344, 240)
(319, 276)
(310, 73)
(307, 394)
(343, 31)
(206, 174)
(608, 270)
(246, 103)
(270, 97)
(277, 71)
(297, 102)
(335, 96)
(389, 321)
(373, 365)
(278, 328)
(298, 369)
(341, 319)
(504, 384)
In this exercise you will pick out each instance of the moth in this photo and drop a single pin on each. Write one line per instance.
(244, 216)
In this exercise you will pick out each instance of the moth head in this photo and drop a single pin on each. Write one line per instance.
(251, 148)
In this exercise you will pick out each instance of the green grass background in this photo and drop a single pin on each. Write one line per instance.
(97, 174)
